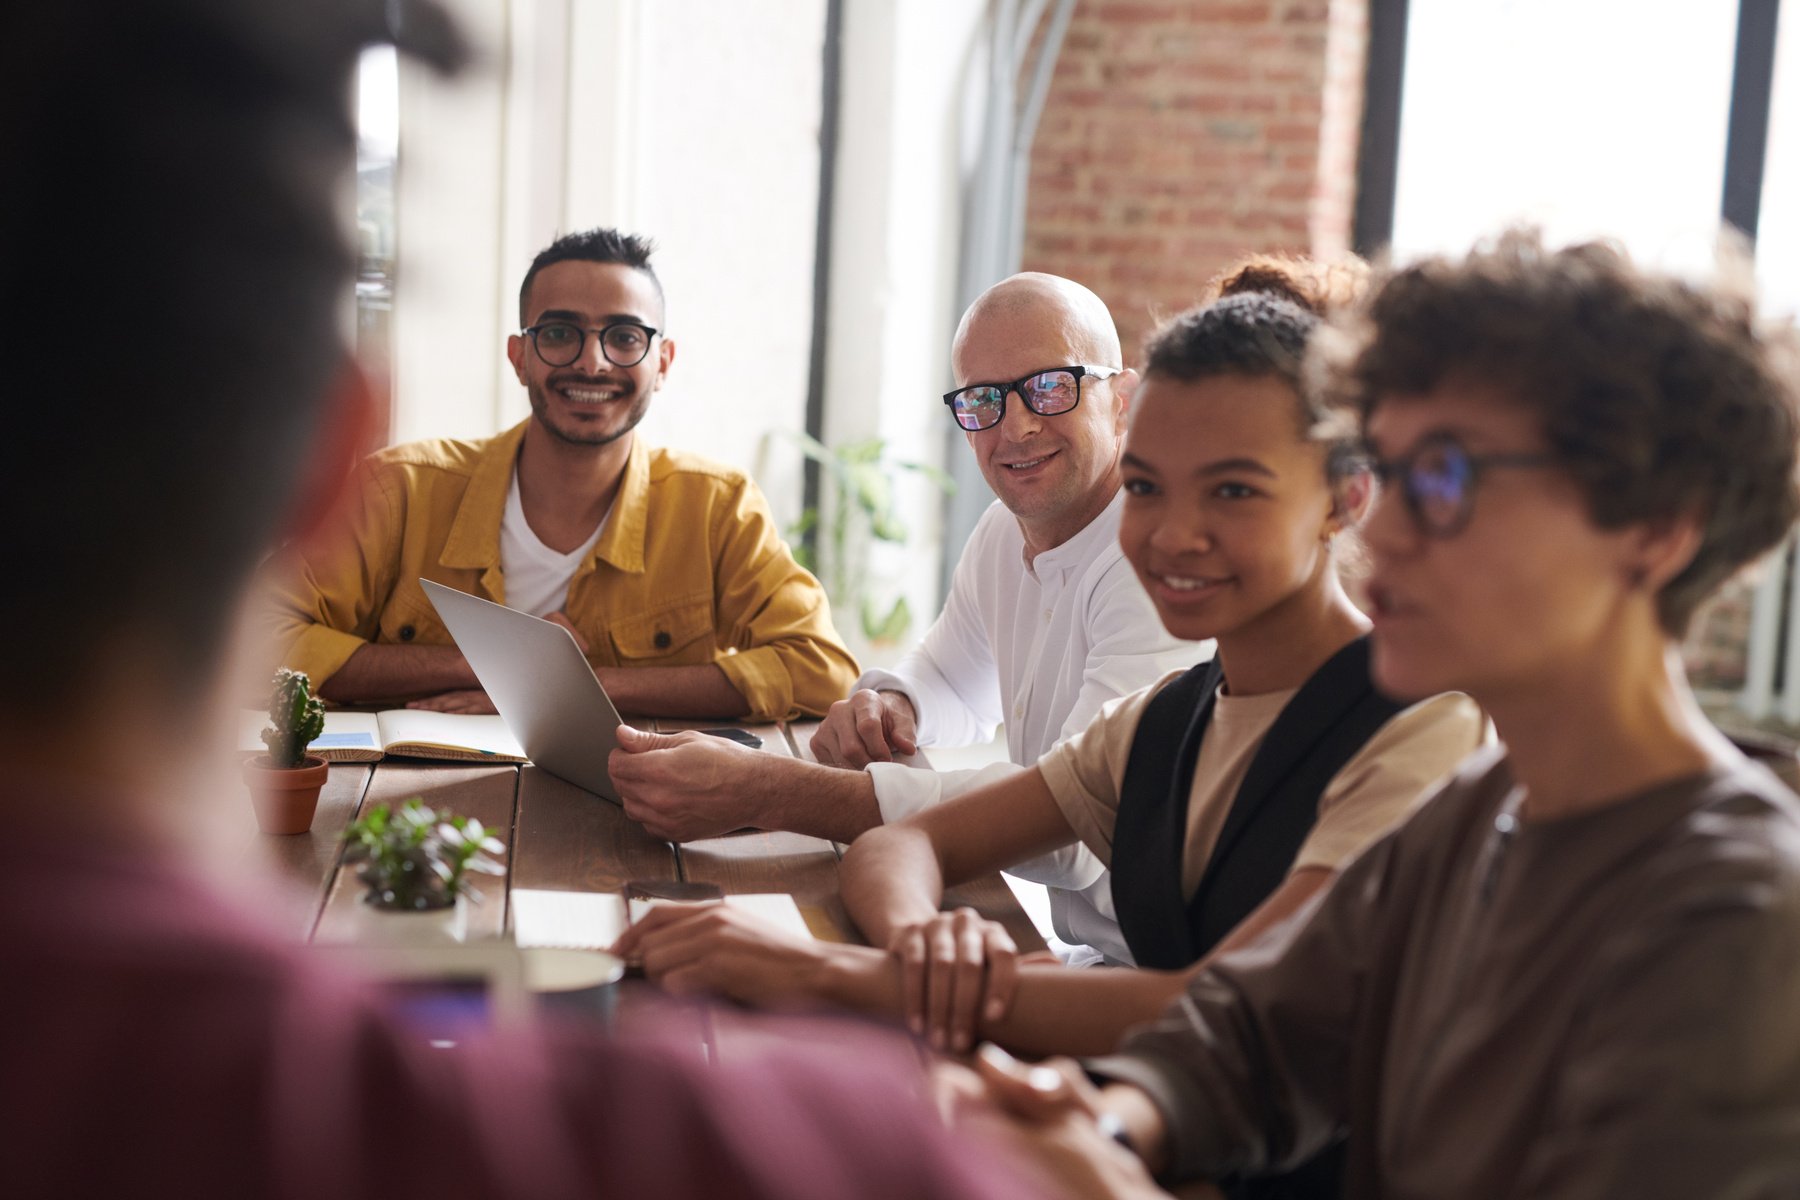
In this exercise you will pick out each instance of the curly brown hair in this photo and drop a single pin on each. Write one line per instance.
(1322, 288)
(1663, 399)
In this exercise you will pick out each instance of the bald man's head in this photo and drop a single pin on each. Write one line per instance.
(1057, 472)
(1047, 304)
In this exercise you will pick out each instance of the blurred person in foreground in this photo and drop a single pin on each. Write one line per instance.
(1575, 971)
(176, 170)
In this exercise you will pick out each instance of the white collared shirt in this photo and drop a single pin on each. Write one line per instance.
(1040, 645)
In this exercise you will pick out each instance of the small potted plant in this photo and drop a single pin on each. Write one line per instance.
(416, 859)
(284, 783)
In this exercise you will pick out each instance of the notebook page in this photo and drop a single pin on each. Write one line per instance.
(418, 731)
(567, 920)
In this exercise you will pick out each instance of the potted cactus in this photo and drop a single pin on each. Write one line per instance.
(284, 783)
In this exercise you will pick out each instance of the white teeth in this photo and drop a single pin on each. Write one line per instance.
(1180, 584)
(1025, 466)
(589, 395)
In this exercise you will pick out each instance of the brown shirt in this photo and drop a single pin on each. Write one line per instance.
(1603, 1005)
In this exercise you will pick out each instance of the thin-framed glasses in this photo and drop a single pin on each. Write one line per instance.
(559, 343)
(1437, 479)
(1046, 393)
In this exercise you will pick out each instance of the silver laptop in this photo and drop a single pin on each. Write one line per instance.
(541, 684)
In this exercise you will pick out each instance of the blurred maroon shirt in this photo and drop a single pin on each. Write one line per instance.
(154, 1042)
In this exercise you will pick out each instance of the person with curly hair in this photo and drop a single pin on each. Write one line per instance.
(1575, 970)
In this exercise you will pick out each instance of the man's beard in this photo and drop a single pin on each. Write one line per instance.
(581, 436)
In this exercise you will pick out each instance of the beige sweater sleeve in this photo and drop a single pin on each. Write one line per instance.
(1402, 764)
(1083, 772)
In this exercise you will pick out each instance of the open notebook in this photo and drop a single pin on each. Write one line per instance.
(408, 732)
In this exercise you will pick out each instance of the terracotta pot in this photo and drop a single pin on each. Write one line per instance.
(285, 797)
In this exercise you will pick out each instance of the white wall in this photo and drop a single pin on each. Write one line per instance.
(726, 179)
(895, 245)
(692, 122)
(450, 199)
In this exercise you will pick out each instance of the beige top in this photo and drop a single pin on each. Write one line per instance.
(1398, 766)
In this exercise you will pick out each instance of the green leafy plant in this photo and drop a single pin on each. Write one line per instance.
(295, 719)
(416, 858)
(834, 544)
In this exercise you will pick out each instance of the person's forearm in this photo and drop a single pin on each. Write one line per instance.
(385, 672)
(1059, 1011)
(861, 979)
(1056, 1010)
(696, 691)
(891, 877)
(805, 797)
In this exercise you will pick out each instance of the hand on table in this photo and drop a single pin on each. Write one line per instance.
(686, 786)
(1050, 1114)
(867, 727)
(465, 700)
(956, 970)
(714, 948)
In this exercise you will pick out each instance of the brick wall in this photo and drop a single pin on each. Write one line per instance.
(1180, 135)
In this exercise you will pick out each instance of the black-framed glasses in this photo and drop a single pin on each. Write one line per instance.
(1046, 393)
(559, 343)
(1438, 477)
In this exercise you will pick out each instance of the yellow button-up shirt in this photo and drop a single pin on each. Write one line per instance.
(689, 570)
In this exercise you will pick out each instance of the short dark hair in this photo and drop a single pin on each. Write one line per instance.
(1663, 399)
(174, 193)
(1255, 333)
(592, 245)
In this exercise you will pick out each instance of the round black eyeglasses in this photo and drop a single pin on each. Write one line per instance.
(559, 343)
(1437, 479)
(1046, 393)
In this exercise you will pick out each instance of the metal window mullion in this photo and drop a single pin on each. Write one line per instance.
(1757, 698)
(1789, 707)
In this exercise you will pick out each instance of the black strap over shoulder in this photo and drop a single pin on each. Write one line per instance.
(1150, 833)
(1330, 718)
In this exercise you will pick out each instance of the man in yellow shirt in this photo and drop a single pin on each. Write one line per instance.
(667, 568)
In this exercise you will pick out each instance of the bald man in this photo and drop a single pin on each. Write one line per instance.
(1045, 621)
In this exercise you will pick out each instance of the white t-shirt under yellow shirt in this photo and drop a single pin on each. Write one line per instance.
(1397, 767)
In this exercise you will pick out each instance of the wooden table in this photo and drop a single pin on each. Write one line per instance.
(561, 838)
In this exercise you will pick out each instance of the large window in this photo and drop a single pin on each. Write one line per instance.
(377, 148)
(1587, 117)
(1610, 118)
(1778, 234)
